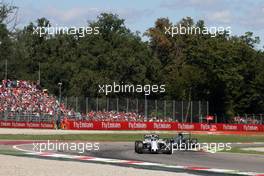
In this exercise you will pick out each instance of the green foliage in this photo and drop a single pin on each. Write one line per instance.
(226, 70)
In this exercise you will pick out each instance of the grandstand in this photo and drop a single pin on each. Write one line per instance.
(22, 100)
(26, 101)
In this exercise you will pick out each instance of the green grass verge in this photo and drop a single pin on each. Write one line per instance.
(11, 152)
(240, 150)
(128, 137)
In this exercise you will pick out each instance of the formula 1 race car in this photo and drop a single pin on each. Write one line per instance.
(153, 144)
(184, 141)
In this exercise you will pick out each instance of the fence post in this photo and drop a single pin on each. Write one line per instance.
(76, 104)
(96, 104)
(199, 109)
(127, 105)
(107, 104)
(165, 113)
(86, 105)
(173, 110)
(156, 107)
(191, 111)
(137, 105)
(117, 108)
(66, 102)
(182, 111)
(146, 108)
(246, 118)
(19, 115)
(207, 107)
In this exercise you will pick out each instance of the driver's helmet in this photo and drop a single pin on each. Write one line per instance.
(180, 135)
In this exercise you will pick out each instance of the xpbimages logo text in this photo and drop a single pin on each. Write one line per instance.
(73, 30)
(131, 88)
(79, 147)
(195, 30)
(207, 147)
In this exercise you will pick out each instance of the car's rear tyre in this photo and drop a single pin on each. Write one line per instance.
(139, 147)
(136, 146)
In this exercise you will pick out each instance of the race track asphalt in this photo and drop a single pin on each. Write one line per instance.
(125, 151)
(241, 162)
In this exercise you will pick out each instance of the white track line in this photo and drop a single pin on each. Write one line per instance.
(130, 162)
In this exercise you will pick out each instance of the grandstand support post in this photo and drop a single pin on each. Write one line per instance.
(173, 110)
(76, 104)
(246, 118)
(117, 107)
(146, 108)
(215, 118)
(39, 74)
(261, 119)
(66, 102)
(182, 110)
(156, 107)
(137, 105)
(60, 84)
(107, 104)
(58, 109)
(207, 107)
(191, 111)
(127, 104)
(199, 109)
(86, 105)
(19, 115)
(165, 113)
(30, 116)
(6, 69)
(96, 104)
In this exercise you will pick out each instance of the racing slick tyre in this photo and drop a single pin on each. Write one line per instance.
(136, 146)
(139, 147)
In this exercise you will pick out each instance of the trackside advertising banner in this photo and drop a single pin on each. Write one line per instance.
(107, 125)
(12, 124)
(110, 125)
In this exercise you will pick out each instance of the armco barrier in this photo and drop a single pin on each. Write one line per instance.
(12, 124)
(111, 125)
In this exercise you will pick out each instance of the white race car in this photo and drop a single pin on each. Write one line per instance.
(153, 144)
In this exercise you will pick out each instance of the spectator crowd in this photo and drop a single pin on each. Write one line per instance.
(24, 97)
(20, 98)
